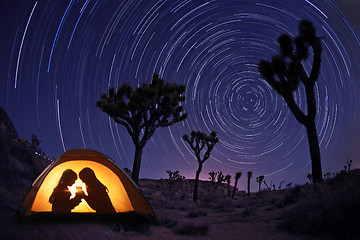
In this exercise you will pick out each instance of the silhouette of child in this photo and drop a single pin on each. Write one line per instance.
(97, 198)
(60, 198)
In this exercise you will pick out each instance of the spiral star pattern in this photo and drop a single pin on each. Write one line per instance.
(60, 56)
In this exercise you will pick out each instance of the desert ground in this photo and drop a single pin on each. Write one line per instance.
(293, 213)
(329, 210)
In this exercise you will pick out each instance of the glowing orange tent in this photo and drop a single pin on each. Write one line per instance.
(52, 193)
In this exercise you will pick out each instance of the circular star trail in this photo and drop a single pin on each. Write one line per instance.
(60, 56)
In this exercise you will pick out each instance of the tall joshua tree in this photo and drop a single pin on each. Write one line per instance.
(144, 109)
(198, 141)
(284, 73)
(249, 175)
(237, 177)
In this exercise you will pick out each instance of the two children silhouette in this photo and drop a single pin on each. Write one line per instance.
(97, 197)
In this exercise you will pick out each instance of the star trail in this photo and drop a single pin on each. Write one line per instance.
(58, 57)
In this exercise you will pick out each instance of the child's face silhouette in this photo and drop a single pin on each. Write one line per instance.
(69, 181)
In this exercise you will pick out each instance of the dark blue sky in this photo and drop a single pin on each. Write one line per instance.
(58, 57)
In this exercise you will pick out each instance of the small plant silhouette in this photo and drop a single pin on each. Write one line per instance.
(249, 175)
(286, 71)
(237, 177)
(259, 180)
(198, 141)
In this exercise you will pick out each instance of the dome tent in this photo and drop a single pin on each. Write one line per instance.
(124, 195)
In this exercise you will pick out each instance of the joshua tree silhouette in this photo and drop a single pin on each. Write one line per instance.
(348, 164)
(249, 175)
(259, 179)
(197, 141)
(290, 71)
(228, 180)
(212, 178)
(237, 176)
(174, 177)
(143, 110)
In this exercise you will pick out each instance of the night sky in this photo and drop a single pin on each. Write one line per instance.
(59, 56)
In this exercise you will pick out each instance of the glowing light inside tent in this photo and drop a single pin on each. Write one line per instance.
(78, 184)
(116, 191)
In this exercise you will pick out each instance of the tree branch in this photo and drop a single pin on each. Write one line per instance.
(299, 115)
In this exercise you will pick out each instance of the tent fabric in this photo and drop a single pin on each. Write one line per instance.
(124, 195)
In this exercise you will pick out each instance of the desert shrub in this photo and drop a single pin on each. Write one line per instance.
(185, 205)
(249, 209)
(221, 203)
(207, 201)
(333, 211)
(162, 201)
(193, 213)
(247, 212)
(180, 196)
(131, 226)
(167, 222)
(269, 209)
(192, 229)
(224, 204)
(291, 196)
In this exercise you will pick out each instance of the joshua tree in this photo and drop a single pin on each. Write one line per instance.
(35, 142)
(280, 185)
(259, 180)
(212, 178)
(220, 178)
(174, 177)
(144, 109)
(310, 177)
(289, 69)
(289, 185)
(197, 141)
(228, 180)
(267, 186)
(237, 176)
(249, 175)
(348, 164)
